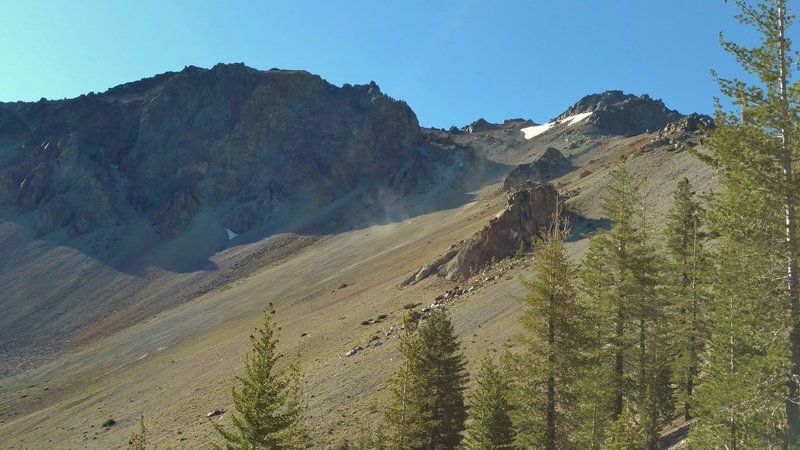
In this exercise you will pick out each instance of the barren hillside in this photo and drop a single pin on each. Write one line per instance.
(137, 261)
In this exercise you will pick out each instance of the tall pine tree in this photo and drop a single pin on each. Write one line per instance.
(407, 420)
(620, 280)
(687, 287)
(269, 411)
(547, 371)
(756, 325)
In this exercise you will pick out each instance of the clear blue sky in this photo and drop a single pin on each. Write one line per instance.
(452, 61)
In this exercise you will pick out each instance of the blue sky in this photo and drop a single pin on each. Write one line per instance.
(452, 61)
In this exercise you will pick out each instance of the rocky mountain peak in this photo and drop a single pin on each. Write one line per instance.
(615, 112)
(169, 146)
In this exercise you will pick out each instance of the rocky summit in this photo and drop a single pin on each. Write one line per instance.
(615, 112)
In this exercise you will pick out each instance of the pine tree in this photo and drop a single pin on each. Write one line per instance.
(626, 432)
(620, 280)
(687, 286)
(757, 303)
(428, 409)
(490, 426)
(738, 404)
(407, 420)
(269, 411)
(546, 373)
(446, 379)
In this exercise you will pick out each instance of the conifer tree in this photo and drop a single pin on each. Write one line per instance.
(407, 420)
(269, 411)
(546, 372)
(687, 286)
(754, 151)
(446, 379)
(428, 409)
(626, 432)
(490, 426)
(738, 405)
(620, 280)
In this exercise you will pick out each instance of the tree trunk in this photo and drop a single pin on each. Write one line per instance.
(550, 434)
(619, 365)
(792, 410)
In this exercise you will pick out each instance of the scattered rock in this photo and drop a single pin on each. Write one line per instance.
(353, 351)
(109, 423)
(686, 131)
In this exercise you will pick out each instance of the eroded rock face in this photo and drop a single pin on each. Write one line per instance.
(618, 113)
(530, 207)
(552, 164)
(686, 131)
(171, 145)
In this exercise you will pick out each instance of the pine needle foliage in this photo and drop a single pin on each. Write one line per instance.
(749, 393)
(427, 410)
(620, 281)
(268, 403)
(547, 371)
(490, 426)
(687, 281)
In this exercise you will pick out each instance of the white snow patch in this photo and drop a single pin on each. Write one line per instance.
(532, 132)
(572, 120)
(231, 234)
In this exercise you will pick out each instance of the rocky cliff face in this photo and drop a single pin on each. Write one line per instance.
(530, 207)
(617, 113)
(169, 146)
(551, 164)
(686, 131)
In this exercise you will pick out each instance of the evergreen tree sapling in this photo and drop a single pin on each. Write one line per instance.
(490, 426)
(427, 409)
(138, 439)
(269, 411)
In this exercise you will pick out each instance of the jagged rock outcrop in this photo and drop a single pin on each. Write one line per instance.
(479, 125)
(530, 207)
(685, 131)
(169, 146)
(618, 113)
(552, 164)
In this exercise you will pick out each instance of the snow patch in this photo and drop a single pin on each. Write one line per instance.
(572, 120)
(532, 132)
(231, 234)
